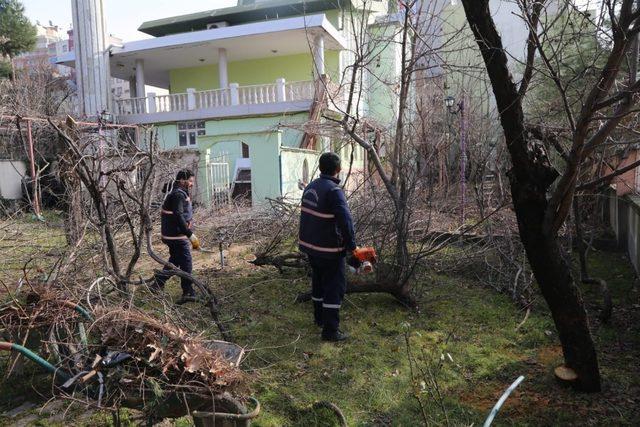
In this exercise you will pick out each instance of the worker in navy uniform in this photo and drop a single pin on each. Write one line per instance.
(326, 236)
(176, 222)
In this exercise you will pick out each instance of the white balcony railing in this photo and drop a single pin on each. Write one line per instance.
(280, 91)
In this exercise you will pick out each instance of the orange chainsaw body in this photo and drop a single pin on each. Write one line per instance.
(366, 253)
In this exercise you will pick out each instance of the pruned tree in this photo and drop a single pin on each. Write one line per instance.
(393, 198)
(399, 192)
(543, 194)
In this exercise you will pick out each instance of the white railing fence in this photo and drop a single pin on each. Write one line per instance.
(279, 91)
(299, 91)
(257, 94)
(213, 98)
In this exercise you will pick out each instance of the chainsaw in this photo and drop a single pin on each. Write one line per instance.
(362, 260)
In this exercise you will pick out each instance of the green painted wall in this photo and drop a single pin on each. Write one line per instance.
(264, 137)
(168, 133)
(292, 161)
(383, 78)
(272, 149)
(335, 17)
(263, 152)
(219, 146)
(252, 72)
(167, 136)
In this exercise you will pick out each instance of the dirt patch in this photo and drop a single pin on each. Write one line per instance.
(484, 398)
(550, 355)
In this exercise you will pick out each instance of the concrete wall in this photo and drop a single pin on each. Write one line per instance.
(382, 79)
(11, 174)
(623, 214)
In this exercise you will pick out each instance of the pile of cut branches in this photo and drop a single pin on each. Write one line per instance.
(111, 356)
(174, 357)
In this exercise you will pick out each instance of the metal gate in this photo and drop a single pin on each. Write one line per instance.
(218, 181)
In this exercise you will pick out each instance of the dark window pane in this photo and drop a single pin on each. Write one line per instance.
(191, 125)
(182, 126)
(192, 138)
(200, 125)
(182, 139)
(201, 132)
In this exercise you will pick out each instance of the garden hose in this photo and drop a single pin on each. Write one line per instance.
(7, 346)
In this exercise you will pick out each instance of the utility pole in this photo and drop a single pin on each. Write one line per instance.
(463, 159)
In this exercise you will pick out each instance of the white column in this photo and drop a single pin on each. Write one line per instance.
(281, 95)
(132, 87)
(140, 91)
(233, 91)
(92, 58)
(222, 68)
(318, 56)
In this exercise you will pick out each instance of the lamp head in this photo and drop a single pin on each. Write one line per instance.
(449, 101)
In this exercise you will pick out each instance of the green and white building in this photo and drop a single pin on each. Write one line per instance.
(242, 80)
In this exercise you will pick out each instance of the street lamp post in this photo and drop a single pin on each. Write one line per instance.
(450, 103)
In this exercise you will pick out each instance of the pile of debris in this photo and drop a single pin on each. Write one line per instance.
(115, 357)
(169, 354)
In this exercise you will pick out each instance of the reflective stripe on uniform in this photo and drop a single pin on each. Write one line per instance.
(317, 299)
(320, 248)
(181, 237)
(166, 212)
(316, 213)
(331, 305)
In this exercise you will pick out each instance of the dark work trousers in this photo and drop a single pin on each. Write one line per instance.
(180, 256)
(328, 285)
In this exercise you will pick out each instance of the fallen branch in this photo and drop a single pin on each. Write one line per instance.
(292, 260)
(366, 287)
(526, 316)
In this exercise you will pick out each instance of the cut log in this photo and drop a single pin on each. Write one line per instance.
(565, 375)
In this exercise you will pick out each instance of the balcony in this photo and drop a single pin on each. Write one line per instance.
(220, 52)
(234, 101)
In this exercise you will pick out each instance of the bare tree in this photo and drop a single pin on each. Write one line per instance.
(542, 195)
(121, 176)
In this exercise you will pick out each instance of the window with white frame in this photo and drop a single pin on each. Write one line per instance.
(188, 132)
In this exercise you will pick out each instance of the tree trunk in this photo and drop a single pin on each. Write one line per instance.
(74, 218)
(531, 177)
(553, 274)
(362, 287)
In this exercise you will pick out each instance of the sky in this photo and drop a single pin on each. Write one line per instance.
(123, 17)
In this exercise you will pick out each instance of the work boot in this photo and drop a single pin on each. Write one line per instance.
(185, 299)
(336, 336)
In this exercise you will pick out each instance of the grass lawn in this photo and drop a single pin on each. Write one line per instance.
(462, 336)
